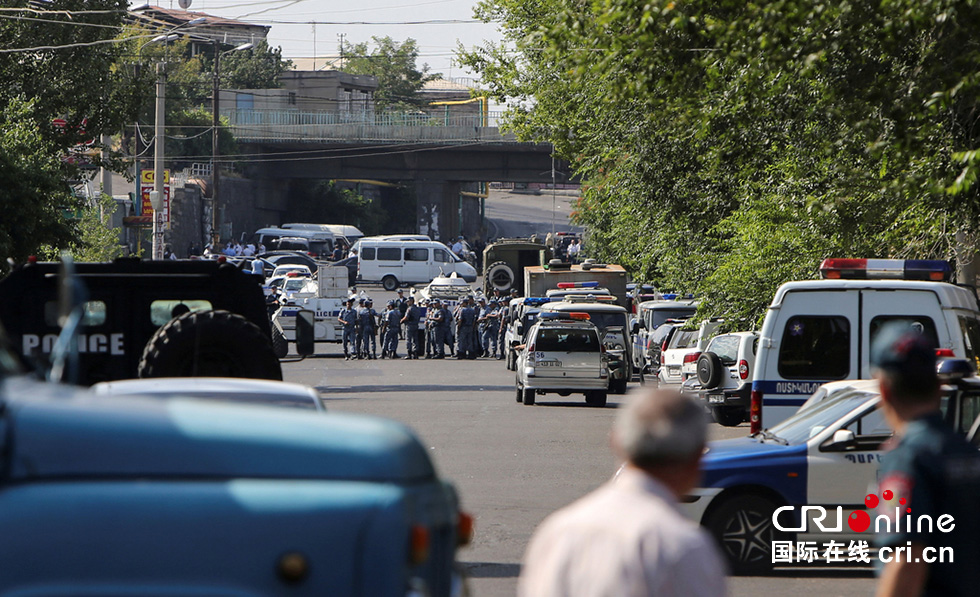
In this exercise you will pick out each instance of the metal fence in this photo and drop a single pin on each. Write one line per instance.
(295, 126)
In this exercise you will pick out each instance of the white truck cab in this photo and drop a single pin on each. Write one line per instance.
(822, 330)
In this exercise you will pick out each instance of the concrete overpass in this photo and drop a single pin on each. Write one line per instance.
(444, 157)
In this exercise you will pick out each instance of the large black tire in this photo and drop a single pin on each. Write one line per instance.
(617, 386)
(728, 416)
(280, 346)
(499, 275)
(743, 527)
(528, 397)
(597, 398)
(210, 343)
(709, 369)
(520, 394)
(389, 283)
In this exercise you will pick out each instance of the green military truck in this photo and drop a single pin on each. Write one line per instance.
(504, 262)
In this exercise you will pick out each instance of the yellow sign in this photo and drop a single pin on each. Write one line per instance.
(146, 177)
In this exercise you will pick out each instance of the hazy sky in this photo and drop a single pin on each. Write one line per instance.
(293, 32)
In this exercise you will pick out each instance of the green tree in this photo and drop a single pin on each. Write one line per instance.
(97, 240)
(61, 87)
(728, 146)
(394, 65)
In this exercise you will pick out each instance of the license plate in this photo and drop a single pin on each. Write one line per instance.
(673, 369)
(549, 363)
(715, 398)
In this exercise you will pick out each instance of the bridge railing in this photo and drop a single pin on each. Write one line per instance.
(295, 126)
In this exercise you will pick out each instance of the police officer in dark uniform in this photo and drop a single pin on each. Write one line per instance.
(401, 303)
(390, 321)
(411, 322)
(465, 323)
(348, 318)
(368, 319)
(929, 471)
(433, 322)
(358, 330)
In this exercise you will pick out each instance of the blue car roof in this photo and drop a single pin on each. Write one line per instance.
(77, 435)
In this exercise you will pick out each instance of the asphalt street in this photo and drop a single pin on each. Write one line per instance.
(512, 464)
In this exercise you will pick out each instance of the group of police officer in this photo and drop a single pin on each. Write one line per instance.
(426, 328)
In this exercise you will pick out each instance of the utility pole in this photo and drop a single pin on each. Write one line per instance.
(215, 152)
(157, 196)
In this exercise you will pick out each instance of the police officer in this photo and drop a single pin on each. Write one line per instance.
(465, 322)
(368, 319)
(434, 322)
(359, 330)
(390, 321)
(348, 318)
(930, 471)
(480, 307)
(447, 329)
(411, 322)
(401, 303)
(491, 329)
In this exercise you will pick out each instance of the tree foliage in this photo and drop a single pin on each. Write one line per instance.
(730, 146)
(61, 88)
(394, 65)
(97, 240)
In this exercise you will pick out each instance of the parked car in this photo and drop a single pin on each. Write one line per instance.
(826, 455)
(288, 268)
(563, 355)
(277, 258)
(724, 372)
(395, 263)
(222, 389)
(677, 362)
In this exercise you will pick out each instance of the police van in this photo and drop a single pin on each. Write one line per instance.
(822, 330)
(394, 263)
(319, 243)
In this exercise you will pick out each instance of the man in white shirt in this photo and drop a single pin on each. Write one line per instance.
(628, 537)
(458, 247)
(573, 251)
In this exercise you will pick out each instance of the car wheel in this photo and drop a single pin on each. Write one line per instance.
(728, 416)
(743, 528)
(520, 393)
(597, 398)
(210, 344)
(389, 283)
(280, 346)
(528, 397)
(618, 386)
(510, 359)
(643, 380)
(499, 276)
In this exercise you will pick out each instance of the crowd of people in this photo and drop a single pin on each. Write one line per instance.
(473, 328)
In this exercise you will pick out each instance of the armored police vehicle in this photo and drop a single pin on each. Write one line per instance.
(822, 330)
(147, 319)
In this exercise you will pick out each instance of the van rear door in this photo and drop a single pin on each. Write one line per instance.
(810, 338)
(918, 308)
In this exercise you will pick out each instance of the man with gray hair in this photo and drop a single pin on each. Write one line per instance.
(628, 537)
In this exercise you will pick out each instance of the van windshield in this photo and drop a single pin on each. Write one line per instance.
(662, 315)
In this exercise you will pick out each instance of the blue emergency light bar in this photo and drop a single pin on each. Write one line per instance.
(537, 300)
(670, 296)
(578, 285)
(884, 269)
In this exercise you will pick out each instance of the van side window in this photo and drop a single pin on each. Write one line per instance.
(94, 313)
(922, 324)
(367, 253)
(970, 328)
(416, 254)
(389, 254)
(815, 347)
(442, 256)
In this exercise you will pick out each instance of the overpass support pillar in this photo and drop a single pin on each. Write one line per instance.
(438, 208)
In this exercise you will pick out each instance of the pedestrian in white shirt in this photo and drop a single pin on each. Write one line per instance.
(573, 251)
(628, 538)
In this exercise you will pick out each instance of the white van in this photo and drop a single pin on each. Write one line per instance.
(351, 233)
(822, 330)
(321, 243)
(395, 262)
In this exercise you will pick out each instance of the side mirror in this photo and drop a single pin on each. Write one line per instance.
(305, 346)
(520, 329)
(842, 440)
(636, 328)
